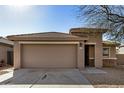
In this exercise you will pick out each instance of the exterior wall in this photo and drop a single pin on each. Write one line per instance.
(97, 38)
(112, 51)
(109, 62)
(112, 59)
(17, 55)
(120, 55)
(120, 59)
(93, 38)
(3, 53)
(80, 56)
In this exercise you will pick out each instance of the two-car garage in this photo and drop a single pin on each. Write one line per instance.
(48, 55)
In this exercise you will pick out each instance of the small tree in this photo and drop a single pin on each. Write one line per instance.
(105, 16)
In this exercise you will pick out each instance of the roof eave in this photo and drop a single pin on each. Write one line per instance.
(112, 44)
(44, 39)
(98, 30)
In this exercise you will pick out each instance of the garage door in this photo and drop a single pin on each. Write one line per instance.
(48, 56)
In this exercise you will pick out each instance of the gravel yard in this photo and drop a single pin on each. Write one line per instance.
(5, 67)
(4, 70)
(113, 78)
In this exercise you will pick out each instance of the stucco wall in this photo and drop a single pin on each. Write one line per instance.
(97, 39)
(3, 53)
(120, 55)
(111, 60)
(120, 59)
(94, 38)
(80, 56)
(17, 55)
(112, 51)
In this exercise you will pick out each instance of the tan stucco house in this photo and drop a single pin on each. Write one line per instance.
(6, 52)
(79, 48)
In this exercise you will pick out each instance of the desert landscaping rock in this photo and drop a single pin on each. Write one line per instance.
(113, 78)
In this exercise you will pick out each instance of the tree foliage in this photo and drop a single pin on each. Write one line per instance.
(105, 16)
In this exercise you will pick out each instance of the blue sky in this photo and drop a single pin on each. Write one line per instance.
(33, 19)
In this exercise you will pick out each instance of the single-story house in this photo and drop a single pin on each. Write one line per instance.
(6, 52)
(79, 48)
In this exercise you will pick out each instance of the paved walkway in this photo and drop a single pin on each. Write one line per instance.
(93, 70)
(36, 78)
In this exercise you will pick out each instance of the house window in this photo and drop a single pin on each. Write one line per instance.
(106, 52)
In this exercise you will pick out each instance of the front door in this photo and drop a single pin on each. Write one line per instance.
(86, 55)
(89, 55)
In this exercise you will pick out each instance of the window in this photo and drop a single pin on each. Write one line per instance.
(106, 52)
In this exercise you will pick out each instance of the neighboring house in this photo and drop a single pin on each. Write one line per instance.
(120, 49)
(120, 55)
(80, 48)
(6, 50)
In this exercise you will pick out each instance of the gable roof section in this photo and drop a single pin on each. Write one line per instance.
(45, 36)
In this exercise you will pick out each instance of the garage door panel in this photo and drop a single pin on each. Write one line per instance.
(49, 56)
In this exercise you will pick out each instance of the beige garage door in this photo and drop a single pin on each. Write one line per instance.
(48, 56)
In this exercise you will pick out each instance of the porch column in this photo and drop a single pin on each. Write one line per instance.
(80, 55)
(17, 55)
(98, 55)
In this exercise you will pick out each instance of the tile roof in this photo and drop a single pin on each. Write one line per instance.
(45, 36)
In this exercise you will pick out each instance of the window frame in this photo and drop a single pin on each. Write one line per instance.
(108, 52)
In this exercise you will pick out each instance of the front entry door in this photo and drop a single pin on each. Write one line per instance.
(86, 55)
(89, 55)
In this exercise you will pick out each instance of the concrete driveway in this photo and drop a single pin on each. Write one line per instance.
(33, 78)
